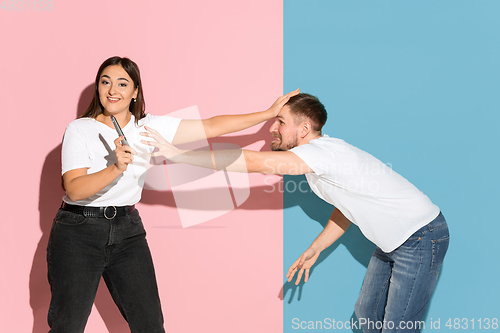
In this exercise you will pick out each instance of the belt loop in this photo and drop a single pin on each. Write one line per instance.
(431, 225)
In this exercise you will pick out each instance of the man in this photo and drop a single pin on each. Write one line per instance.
(410, 232)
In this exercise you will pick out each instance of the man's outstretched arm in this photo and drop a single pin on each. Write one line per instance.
(336, 226)
(235, 160)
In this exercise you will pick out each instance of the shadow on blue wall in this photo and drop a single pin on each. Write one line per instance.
(319, 210)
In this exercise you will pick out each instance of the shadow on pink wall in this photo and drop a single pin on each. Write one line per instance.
(50, 195)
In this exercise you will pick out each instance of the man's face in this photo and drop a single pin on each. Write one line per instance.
(285, 131)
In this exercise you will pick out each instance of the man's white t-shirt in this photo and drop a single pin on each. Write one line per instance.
(89, 143)
(386, 207)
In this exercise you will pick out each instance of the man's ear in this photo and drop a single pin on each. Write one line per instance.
(305, 129)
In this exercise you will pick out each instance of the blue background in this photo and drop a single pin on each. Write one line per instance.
(416, 84)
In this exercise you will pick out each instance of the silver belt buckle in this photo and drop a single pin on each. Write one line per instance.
(108, 217)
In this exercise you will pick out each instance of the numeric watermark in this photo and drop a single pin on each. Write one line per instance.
(27, 5)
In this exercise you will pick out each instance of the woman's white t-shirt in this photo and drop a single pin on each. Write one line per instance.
(88, 143)
(386, 207)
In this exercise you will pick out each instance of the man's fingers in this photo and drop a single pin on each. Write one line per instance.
(154, 134)
(151, 129)
(290, 276)
(155, 154)
(299, 276)
(291, 273)
(291, 270)
(303, 259)
(306, 275)
(150, 135)
(151, 143)
(293, 267)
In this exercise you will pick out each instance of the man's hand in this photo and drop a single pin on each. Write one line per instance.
(275, 109)
(303, 264)
(165, 148)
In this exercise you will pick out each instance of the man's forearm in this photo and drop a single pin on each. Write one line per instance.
(335, 228)
(230, 160)
(241, 160)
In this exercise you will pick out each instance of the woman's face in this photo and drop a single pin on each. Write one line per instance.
(116, 90)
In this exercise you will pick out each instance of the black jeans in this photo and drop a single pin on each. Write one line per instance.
(80, 251)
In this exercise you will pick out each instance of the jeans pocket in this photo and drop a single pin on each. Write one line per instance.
(132, 225)
(439, 248)
(70, 219)
(135, 217)
(412, 244)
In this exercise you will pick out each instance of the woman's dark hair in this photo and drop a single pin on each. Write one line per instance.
(137, 108)
(308, 106)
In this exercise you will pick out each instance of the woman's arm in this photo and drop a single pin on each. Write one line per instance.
(79, 185)
(194, 130)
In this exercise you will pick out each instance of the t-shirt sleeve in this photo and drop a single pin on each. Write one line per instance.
(75, 153)
(167, 126)
(317, 157)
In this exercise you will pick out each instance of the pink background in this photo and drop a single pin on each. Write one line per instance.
(226, 57)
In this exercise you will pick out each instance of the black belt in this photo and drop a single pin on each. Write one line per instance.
(108, 212)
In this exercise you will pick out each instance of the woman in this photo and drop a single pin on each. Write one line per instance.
(97, 231)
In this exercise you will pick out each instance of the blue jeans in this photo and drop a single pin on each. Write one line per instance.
(80, 251)
(398, 285)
